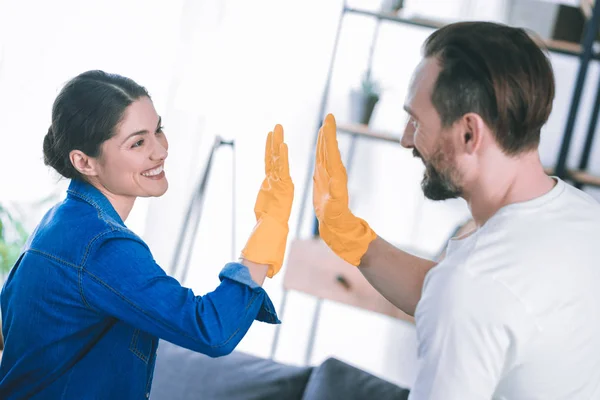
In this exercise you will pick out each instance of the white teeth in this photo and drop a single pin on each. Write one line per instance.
(153, 172)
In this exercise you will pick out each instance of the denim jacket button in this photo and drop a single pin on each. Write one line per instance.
(147, 395)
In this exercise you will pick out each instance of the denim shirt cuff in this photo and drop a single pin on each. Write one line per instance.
(239, 273)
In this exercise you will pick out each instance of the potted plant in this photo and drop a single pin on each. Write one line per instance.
(364, 99)
(392, 6)
(14, 224)
(12, 239)
(13, 236)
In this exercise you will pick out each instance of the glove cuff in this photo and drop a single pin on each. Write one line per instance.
(351, 242)
(267, 244)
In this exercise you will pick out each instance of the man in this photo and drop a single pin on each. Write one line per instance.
(513, 310)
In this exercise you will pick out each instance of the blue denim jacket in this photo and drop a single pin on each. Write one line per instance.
(84, 306)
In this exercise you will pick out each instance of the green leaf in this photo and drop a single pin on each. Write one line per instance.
(4, 257)
(14, 252)
(13, 237)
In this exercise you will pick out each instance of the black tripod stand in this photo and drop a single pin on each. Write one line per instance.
(189, 229)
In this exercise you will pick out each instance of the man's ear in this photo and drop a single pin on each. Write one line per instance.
(473, 128)
(86, 165)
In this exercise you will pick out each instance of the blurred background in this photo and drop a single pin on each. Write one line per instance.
(234, 69)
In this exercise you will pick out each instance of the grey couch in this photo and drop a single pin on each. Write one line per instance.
(181, 374)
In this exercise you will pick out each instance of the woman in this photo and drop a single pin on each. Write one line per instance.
(85, 305)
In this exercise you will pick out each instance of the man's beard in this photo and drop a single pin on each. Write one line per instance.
(437, 184)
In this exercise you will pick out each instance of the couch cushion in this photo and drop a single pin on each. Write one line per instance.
(335, 379)
(182, 374)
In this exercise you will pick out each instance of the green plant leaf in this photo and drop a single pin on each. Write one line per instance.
(14, 252)
(13, 236)
(369, 85)
(4, 257)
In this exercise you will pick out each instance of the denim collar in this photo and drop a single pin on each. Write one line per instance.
(94, 197)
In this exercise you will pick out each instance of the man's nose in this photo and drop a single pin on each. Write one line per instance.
(407, 139)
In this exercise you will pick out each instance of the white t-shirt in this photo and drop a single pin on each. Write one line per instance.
(513, 311)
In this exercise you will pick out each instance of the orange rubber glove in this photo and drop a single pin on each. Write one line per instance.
(268, 240)
(347, 235)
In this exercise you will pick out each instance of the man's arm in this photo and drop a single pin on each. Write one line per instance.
(399, 275)
(396, 274)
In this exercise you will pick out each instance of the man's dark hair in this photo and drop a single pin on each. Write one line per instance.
(498, 72)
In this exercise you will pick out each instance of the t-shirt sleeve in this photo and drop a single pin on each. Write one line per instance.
(466, 335)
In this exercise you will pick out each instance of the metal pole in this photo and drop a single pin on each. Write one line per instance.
(324, 98)
(373, 43)
(591, 30)
(278, 327)
(589, 140)
(309, 170)
(234, 253)
(194, 214)
(353, 139)
(313, 332)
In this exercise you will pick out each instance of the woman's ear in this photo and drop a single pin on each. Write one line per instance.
(83, 163)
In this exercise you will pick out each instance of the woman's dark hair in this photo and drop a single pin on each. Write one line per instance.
(498, 72)
(86, 113)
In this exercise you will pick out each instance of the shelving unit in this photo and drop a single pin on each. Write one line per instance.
(363, 131)
(585, 53)
(556, 46)
(313, 270)
(579, 176)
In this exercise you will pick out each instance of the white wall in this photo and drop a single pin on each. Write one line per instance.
(43, 44)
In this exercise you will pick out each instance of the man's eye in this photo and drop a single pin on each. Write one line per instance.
(415, 124)
(138, 143)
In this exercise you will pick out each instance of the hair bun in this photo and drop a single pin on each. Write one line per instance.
(48, 145)
(51, 156)
(49, 148)
(49, 138)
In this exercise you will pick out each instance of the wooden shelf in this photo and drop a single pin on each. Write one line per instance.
(582, 177)
(557, 46)
(563, 47)
(363, 131)
(314, 269)
(421, 22)
(585, 178)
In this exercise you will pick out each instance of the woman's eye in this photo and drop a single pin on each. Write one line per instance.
(160, 130)
(138, 143)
